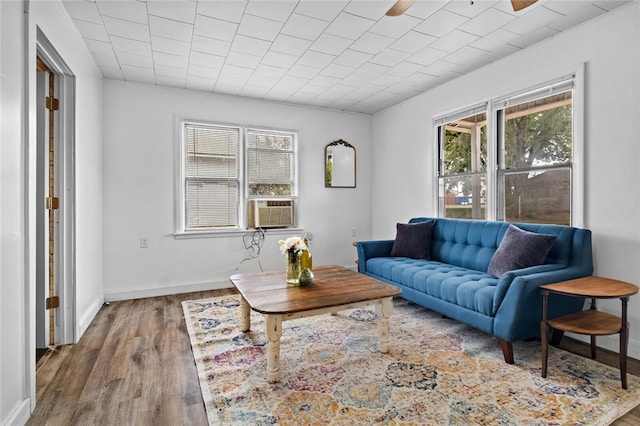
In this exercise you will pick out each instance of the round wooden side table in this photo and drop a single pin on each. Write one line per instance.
(589, 322)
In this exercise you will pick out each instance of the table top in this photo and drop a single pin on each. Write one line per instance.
(269, 293)
(598, 287)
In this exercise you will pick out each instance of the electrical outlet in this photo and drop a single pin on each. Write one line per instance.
(144, 243)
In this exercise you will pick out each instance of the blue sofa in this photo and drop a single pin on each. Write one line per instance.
(455, 282)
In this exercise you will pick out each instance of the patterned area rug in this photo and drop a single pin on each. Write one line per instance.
(437, 372)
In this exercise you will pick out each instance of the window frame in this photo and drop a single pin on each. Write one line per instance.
(181, 230)
(493, 172)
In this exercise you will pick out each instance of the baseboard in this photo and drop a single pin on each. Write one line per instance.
(20, 415)
(88, 316)
(610, 343)
(164, 291)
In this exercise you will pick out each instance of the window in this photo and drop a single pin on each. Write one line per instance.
(531, 142)
(216, 182)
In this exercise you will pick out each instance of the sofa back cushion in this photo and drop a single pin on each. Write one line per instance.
(472, 243)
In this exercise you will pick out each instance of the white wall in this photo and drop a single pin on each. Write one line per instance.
(17, 190)
(608, 47)
(141, 140)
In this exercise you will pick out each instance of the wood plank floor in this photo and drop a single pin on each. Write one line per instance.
(134, 365)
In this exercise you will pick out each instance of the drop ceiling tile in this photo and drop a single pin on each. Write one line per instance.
(441, 23)
(106, 61)
(336, 71)
(84, 11)
(249, 45)
(173, 72)
(135, 60)
(291, 45)
(468, 8)
(215, 28)
(170, 29)
(99, 47)
(313, 90)
(441, 68)
(242, 60)
(324, 10)
(424, 9)
(229, 11)
(331, 44)
(370, 9)
(531, 21)
(199, 71)
(495, 39)
(261, 81)
(127, 29)
(275, 10)
(254, 91)
(467, 55)
(371, 43)
(304, 27)
(236, 72)
(133, 11)
(183, 11)
(325, 80)
(92, 31)
(454, 41)
(167, 59)
(204, 60)
(412, 42)
(352, 58)
(427, 56)
(228, 88)
(355, 80)
(135, 47)
(394, 26)
(259, 28)
(269, 71)
(371, 70)
(278, 59)
(302, 97)
(405, 69)
(210, 45)
(487, 22)
(290, 83)
(349, 26)
(316, 59)
(173, 47)
(609, 5)
(389, 57)
(303, 71)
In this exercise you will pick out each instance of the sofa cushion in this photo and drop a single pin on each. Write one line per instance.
(520, 249)
(413, 240)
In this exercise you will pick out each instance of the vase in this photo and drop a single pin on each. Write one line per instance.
(293, 267)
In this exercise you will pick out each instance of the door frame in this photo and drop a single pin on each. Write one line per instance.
(65, 266)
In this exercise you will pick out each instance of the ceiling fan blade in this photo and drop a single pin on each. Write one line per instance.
(521, 4)
(400, 7)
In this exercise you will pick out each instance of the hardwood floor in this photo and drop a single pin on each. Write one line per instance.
(134, 365)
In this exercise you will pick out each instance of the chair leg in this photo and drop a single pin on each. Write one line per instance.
(507, 351)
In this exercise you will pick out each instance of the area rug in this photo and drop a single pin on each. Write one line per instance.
(437, 372)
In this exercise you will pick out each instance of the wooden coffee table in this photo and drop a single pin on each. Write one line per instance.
(334, 289)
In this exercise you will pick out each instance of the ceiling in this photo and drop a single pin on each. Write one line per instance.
(337, 54)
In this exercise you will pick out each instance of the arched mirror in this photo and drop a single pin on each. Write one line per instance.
(340, 165)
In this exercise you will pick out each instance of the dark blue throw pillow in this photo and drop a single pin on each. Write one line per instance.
(413, 240)
(520, 249)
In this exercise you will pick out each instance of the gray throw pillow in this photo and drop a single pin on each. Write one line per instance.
(520, 249)
(413, 240)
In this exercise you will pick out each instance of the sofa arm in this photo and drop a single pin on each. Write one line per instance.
(518, 302)
(370, 249)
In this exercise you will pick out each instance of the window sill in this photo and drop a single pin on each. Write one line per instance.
(185, 235)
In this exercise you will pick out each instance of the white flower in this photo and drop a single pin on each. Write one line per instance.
(292, 245)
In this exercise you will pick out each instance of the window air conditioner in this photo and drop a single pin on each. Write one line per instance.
(270, 213)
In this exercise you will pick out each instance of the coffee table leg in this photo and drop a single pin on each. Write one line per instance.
(385, 314)
(273, 332)
(245, 315)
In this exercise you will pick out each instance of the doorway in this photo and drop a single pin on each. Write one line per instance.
(54, 310)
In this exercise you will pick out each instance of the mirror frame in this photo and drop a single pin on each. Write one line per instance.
(346, 144)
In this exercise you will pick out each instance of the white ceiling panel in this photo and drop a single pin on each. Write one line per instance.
(344, 54)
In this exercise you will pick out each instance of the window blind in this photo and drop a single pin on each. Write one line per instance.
(270, 163)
